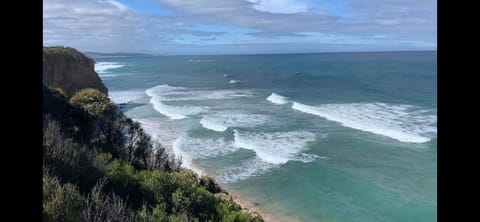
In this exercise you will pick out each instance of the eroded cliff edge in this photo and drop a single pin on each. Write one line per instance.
(68, 69)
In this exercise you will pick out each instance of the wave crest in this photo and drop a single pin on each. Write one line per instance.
(276, 147)
(404, 123)
(277, 99)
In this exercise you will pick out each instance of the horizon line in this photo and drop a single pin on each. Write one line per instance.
(266, 53)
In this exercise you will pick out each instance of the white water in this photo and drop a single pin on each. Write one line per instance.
(276, 147)
(222, 121)
(394, 121)
(103, 67)
(277, 99)
(125, 96)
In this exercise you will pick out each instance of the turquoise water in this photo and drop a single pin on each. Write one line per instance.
(307, 137)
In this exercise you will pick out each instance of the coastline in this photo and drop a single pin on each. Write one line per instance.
(249, 206)
(245, 204)
(237, 198)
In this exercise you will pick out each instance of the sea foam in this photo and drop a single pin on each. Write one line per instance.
(247, 169)
(173, 93)
(161, 93)
(175, 112)
(201, 60)
(201, 148)
(102, 67)
(234, 81)
(276, 147)
(222, 121)
(277, 99)
(209, 124)
(160, 131)
(401, 122)
(125, 96)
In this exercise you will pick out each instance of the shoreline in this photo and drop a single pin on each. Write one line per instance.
(247, 205)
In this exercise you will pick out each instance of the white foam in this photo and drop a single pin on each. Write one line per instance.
(208, 124)
(221, 121)
(162, 89)
(276, 147)
(172, 93)
(175, 112)
(125, 96)
(176, 146)
(169, 137)
(157, 95)
(203, 95)
(107, 75)
(160, 131)
(404, 123)
(234, 81)
(277, 99)
(202, 148)
(166, 110)
(201, 60)
(247, 169)
(102, 67)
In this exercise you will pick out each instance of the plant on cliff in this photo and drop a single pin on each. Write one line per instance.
(93, 102)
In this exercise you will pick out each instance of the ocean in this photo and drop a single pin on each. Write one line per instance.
(305, 137)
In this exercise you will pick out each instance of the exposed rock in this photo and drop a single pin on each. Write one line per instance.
(67, 69)
(210, 184)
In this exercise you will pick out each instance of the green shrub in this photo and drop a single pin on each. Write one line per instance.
(102, 207)
(70, 161)
(122, 180)
(61, 202)
(93, 102)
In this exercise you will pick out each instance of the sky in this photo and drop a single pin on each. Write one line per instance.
(171, 27)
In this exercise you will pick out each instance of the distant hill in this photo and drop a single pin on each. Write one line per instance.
(116, 54)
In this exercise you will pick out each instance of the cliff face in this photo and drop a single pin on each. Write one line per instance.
(70, 70)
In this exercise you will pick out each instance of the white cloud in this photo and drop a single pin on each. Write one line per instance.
(243, 13)
(108, 25)
(91, 24)
(279, 6)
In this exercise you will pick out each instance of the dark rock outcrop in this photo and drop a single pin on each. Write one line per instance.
(67, 69)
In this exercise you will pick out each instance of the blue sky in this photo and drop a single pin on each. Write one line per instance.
(240, 26)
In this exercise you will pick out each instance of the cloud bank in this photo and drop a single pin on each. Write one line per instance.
(226, 26)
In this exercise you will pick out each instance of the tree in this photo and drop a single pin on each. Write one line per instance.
(94, 102)
(138, 145)
(107, 131)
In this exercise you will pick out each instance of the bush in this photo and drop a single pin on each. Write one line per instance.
(61, 202)
(121, 179)
(70, 161)
(93, 102)
(101, 207)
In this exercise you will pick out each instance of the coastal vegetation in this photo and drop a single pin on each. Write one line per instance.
(100, 165)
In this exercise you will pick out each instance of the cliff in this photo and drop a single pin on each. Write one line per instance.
(69, 70)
